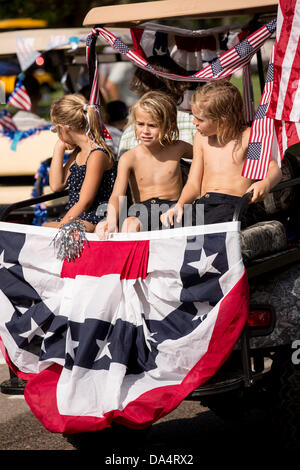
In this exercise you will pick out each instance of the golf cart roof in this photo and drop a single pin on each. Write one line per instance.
(135, 13)
(42, 37)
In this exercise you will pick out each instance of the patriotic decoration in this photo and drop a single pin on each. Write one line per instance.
(261, 134)
(92, 64)
(6, 121)
(19, 97)
(285, 98)
(277, 122)
(224, 66)
(125, 332)
(231, 61)
(191, 50)
(60, 40)
(26, 53)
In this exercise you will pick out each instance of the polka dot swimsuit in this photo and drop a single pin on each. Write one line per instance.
(75, 181)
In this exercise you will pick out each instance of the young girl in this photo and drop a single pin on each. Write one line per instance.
(89, 171)
(153, 166)
(220, 147)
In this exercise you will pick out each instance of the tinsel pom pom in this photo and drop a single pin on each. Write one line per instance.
(69, 241)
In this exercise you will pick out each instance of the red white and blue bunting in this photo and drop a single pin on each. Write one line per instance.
(236, 58)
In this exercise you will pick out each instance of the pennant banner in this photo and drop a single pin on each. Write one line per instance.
(231, 61)
(26, 53)
(224, 66)
(125, 332)
(192, 50)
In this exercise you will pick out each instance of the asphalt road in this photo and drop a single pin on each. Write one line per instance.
(187, 432)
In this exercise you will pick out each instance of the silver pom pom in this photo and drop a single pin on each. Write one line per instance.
(69, 241)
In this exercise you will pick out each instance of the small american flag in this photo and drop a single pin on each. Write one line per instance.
(19, 97)
(6, 121)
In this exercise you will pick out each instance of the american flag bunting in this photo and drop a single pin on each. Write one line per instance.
(125, 332)
(276, 126)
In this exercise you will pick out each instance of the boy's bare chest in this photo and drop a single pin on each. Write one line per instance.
(220, 160)
(155, 172)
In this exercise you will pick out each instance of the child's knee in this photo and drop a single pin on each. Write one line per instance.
(131, 224)
(51, 224)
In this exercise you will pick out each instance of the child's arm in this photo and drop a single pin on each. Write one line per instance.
(58, 172)
(187, 150)
(110, 225)
(262, 188)
(96, 165)
(192, 187)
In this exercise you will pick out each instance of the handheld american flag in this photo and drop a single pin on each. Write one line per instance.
(125, 332)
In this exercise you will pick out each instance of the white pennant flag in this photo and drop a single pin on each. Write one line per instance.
(26, 53)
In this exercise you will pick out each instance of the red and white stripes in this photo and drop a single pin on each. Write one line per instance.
(285, 100)
(20, 98)
(278, 127)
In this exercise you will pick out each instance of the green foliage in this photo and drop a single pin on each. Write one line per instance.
(238, 82)
(69, 13)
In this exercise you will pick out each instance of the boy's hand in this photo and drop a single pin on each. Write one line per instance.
(260, 190)
(103, 229)
(168, 217)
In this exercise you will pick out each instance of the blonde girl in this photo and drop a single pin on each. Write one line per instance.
(89, 171)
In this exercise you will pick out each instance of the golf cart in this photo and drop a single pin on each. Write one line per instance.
(263, 369)
(25, 156)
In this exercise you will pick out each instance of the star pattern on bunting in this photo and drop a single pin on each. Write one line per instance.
(205, 264)
(35, 330)
(4, 264)
(103, 346)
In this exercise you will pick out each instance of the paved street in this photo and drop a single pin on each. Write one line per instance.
(188, 430)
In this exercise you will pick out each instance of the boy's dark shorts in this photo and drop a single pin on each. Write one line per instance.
(212, 208)
(219, 207)
(149, 212)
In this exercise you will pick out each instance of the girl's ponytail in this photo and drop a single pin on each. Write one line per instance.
(93, 128)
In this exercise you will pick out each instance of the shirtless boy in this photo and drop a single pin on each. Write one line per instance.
(220, 147)
(152, 167)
